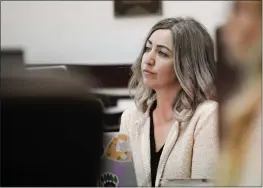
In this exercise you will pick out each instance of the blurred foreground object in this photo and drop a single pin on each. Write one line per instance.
(240, 123)
(51, 131)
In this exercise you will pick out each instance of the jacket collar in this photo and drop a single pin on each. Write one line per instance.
(144, 132)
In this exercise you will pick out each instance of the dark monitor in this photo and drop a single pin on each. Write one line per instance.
(51, 133)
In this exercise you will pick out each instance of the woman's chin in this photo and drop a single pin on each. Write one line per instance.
(149, 84)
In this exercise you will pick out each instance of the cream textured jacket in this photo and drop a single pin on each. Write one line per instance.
(190, 151)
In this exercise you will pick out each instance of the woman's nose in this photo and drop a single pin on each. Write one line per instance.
(151, 59)
(150, 62)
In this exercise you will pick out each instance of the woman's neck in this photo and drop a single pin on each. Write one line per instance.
(165, 99)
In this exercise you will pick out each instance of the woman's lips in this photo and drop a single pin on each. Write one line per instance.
(147, 72)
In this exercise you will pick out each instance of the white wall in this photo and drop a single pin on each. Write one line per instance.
(87, 32)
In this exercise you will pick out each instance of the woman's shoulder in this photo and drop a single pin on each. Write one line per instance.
(132, 113)
(129, 118)
(207, 110)
(205, 119)
(207, 107)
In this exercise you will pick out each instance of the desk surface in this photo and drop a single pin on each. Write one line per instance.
(113, 91)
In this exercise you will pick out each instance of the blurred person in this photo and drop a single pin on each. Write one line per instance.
(51, 131)
(173, 129)
(240, 151)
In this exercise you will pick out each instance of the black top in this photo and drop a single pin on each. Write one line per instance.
(155, 156)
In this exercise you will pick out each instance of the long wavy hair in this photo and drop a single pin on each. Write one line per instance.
(194, 66)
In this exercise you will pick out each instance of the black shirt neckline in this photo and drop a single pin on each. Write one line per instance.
(155, 156)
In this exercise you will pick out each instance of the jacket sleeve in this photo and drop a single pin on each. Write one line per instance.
(206, 145)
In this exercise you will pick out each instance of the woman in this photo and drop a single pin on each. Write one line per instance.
(173, 129)
(240, 156)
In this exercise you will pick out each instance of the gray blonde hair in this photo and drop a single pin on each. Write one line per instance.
(194, 66)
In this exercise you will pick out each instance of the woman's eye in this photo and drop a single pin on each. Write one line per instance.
(147, 49)
(163, 54)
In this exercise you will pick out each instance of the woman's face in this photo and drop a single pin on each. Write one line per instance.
(157, 60)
